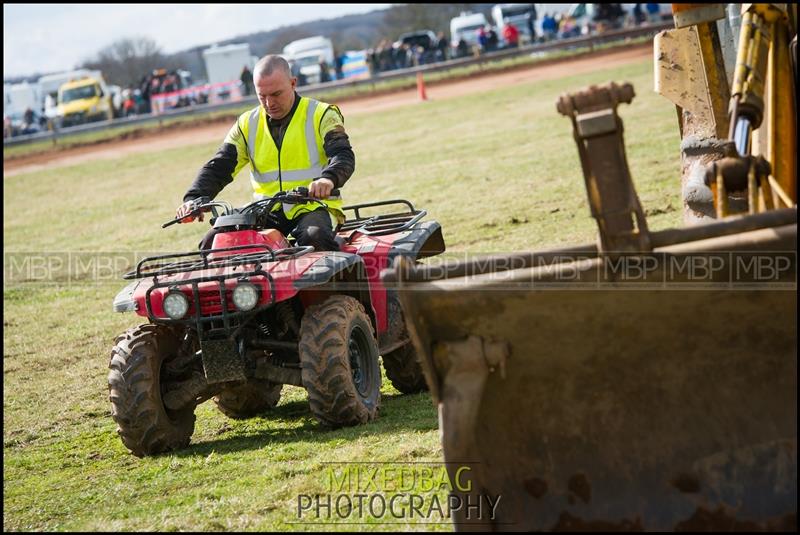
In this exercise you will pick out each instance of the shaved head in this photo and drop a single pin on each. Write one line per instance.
(270, 64)
(274, 85)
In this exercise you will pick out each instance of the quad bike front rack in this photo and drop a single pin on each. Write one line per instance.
(155, 266)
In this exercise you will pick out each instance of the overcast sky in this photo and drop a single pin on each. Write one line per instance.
(54, 37)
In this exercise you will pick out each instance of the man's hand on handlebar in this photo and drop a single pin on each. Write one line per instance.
(185, 209)
(320, 188)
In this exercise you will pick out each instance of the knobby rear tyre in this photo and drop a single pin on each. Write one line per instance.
(402, 365)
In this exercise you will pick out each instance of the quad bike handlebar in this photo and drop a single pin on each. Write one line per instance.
(261, 207)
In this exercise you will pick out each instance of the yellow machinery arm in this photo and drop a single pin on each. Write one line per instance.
(738, 119)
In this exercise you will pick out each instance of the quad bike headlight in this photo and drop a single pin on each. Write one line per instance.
(245, 296)
(176, 305)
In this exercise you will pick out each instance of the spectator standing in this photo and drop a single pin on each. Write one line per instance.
(139, 102)
(339, 66)
(127, 103)
(170, 83)
(247, 80)
(372, 61)
(531, 21)
(653, 12)
(442, 44)
(492, 40)
(402, 56)
(295, 71)
(638, 14)
(549, 27)
(462, 49)
(510, 34)
(324, 70)
(616, 15)
(385, 56)
(482, 38)
(568, 28)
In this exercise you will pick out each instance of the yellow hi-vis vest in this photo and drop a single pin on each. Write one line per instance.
(299, 161)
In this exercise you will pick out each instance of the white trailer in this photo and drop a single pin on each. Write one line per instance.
(19, 97)
(225, 63)
(307, 53)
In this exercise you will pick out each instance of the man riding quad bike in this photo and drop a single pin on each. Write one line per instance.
(255, 311)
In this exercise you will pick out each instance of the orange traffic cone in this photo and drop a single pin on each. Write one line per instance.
(421, 87)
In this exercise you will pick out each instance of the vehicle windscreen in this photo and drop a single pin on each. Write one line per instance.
(470, 29)
(468, 33)
(307, 60)
(579, 11)
(516, 12)
(418, 40)
(78, 93)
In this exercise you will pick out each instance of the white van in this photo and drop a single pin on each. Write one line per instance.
(306, 54)
(516, 14)
(465, 26)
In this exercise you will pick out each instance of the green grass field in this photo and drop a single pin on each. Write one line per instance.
(499, 170)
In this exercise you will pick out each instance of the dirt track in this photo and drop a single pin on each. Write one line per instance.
(190, 135)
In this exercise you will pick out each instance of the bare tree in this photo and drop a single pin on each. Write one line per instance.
(126, 61)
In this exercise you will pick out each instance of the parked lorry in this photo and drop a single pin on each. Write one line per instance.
(626, 384)
(307, 53)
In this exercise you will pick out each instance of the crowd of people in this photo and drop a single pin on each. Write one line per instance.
(137, 100)
(605, 17)
(388, 56)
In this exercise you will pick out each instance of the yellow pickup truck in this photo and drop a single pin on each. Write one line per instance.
(82, 101)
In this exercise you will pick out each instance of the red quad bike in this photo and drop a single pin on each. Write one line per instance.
(238, 321)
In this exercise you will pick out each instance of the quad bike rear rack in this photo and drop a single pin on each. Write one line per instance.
(383, 223)
(155, 266)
